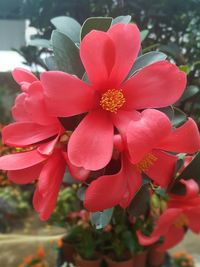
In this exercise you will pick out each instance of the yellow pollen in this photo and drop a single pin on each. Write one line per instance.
(146, 162)
(181, 221)
(112, 100)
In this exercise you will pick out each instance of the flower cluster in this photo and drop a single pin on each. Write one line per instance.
(108, 130)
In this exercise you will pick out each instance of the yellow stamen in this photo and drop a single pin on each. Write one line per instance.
(181, 221)
(112, 100)
(146, 162)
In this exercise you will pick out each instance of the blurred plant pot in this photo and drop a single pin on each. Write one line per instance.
(125, 263)
(80, 262)
(156, 258)
(140, 259)
(68, 251)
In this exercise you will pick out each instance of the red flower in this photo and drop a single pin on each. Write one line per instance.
(47, 157)
(142, 151)
(110, 99)
(182, 211)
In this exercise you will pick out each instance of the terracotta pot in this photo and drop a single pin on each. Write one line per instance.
(80, 262)
(125, 263)
(68, 252)
(140, 259)
(156, 258)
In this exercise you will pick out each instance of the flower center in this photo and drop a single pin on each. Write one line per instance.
(146, 162)
(181, 221)
(112, 100)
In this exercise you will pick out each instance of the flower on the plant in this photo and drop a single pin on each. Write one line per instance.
(182, 212)
(109, 99)
(46, 158)
(144, 150)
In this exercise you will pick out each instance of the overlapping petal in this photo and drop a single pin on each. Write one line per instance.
(65, 94)
(186, 139)
(24, 78)
(18, 110)
(90, 145)
(157, 85)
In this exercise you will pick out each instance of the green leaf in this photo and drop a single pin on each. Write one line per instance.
(179, 118)
(50, 62)
(191, 91)
(143, 35)
(96, 23)
(68, 26)
(66, 54)
(192, 171)
(168, 111)
(140, 202)
(101, 219)
(40, 43)
(129, 240)
(145, 60)
(122, 19)
(179, 163)
(185, 68)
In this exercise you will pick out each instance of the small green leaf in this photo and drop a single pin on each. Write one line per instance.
(179, 163)
(40, 43)
(129, 240)
(51, 63)
(191, 91)
(122, 19)
(101, 219)
(185, 68)
(68, 26)
(140, 202)
(66, 54)
(192, 171)
(179, 118)
(145, 60)
(96, 23)
(143, 35)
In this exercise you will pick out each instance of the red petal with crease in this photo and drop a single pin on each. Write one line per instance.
(90, 145)
(26, 133)
(171, 239)
(18, 110)
(49, 184)
(20, 161)
(97, 52)
(65, 94)
(78, 173)
(162, 169)
(48, 148)
(25, 176)
(157, 85)
(35, 105)
(184, 139)
(126, 39)
(144, 134)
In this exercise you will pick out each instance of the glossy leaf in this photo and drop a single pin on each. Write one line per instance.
(179, 118)
(191, 91)
(68, 26)
(51, 63)
(97, 23)
(145, 60)
(122, 19)
(101, 219)
(143, 35)
(66, 54)
(168, 111)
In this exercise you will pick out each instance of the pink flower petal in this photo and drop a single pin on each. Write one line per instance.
(23, 77)
(186, 139)
(20, 161)
(49, 184)
(90, 145)
(65, 94)
(171, 239)
(126, 38)
(144, 134)
(97, 53)
(35, 105)
(25, 176)
(193, 215)
(157, 85)
(48, 147)
(18, 110)
(78, 173)
(26, 133)
(162, 169)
